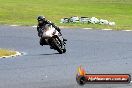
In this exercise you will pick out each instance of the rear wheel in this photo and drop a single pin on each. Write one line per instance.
(41, 42)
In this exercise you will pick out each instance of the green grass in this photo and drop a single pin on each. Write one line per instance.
(24, 12)
(5, 52)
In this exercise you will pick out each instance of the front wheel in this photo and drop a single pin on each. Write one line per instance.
(64, 50)
(57, 45)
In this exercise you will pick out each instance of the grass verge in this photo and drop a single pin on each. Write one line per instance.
(5, 52)
(24, 12)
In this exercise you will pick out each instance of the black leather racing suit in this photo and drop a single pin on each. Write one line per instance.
(40, 29)
(41, 26)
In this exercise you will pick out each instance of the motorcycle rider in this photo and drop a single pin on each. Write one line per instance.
(40, 27)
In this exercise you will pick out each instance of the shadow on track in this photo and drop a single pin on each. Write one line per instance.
(42, 54)
(50, 54)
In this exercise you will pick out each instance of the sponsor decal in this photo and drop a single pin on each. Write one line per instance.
(82, 78)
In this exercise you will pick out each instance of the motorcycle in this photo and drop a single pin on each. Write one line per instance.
(53, 38)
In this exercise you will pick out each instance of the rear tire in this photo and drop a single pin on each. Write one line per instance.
(41, 42)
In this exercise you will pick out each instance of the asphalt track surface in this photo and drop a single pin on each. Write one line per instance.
(97, 51)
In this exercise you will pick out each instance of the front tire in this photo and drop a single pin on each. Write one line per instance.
(64, 50)
(57, 45)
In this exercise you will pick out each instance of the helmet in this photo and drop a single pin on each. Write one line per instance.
(41, 19)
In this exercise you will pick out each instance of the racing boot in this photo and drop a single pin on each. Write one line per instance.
(64, 39)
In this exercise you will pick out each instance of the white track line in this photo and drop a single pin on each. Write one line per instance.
(126, 30)
(83, 28)
(34, 26)
(107, 29)
(14, 25)
(87, 28)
